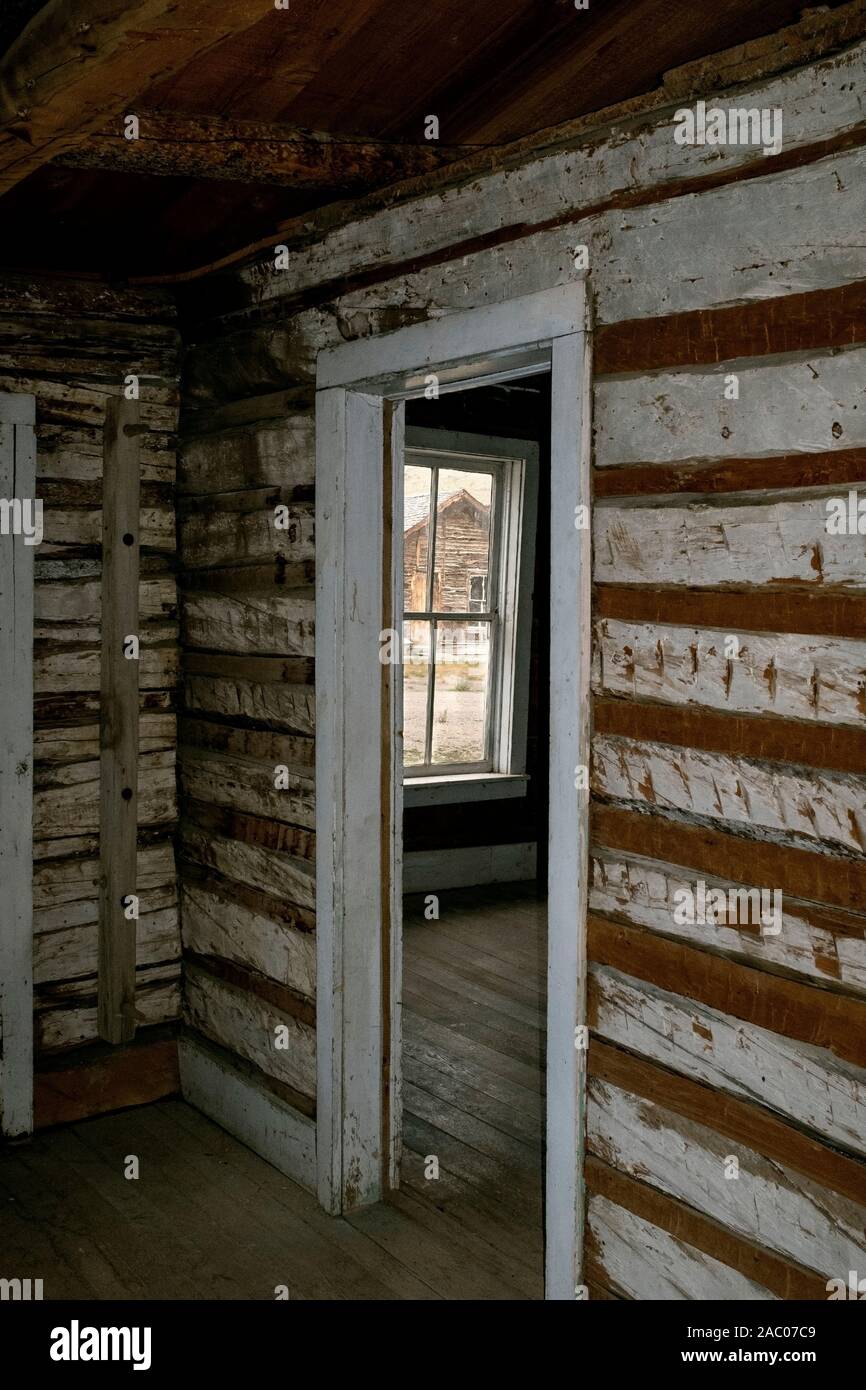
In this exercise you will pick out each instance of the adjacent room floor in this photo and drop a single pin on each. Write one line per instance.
(474, 991)
(206, 1218)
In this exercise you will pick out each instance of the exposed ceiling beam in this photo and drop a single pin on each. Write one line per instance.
(211, 147)
(80, 62)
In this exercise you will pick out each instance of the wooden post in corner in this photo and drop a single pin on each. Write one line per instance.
(118, 734)
(18, 487)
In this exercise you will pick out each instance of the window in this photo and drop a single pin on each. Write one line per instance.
(468, 537)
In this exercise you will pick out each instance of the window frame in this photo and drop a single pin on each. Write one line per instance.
(511, 566)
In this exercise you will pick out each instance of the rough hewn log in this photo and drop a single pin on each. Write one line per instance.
(643, 1240)
(793, 323)
(260, 455)
(646, 1262)
(80, 61)
(828, 809)
(246, 785)
(250, 1026)
(72, 1022)
(266, 746)
(792, 677)
(216, 922)
(825, 613)
(221, 537)
(765, 737)
(807, 1084)
(270, 871)
(217, 147)
(834, 1022)
(808, 874)
(818, 945)
(280, 623)
(711, 543)
(784, 405)
(739, 1120)
(766, 1203)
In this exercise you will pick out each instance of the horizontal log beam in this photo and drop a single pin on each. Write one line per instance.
(820, 613)
(101, 1079)
(79, 63)
(788, 323)
(739, 1120)
(763, 736)
(837, 468)
(788, 1281)
(836, 1022)
(213, 147)
(252, 830)
(254, 900)
(290, 1001)
(827, 879)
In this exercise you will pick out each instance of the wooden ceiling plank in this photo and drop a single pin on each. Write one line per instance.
(258, 75)
(248, 152)
(80, 62)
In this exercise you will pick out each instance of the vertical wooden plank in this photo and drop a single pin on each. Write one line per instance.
(362, 765)
(349, 531)
(17, 480)
(118, 794)
(392, 791)
(330, 583)
(570, 656)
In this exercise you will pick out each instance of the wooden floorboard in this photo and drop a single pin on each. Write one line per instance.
(206, 1218)
(473, 1059)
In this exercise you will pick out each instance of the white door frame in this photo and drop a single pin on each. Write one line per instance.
(359, 438)
(17, 481)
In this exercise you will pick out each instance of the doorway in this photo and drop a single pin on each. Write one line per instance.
(475, 545)
(361, 438)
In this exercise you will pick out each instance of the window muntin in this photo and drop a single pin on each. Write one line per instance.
(454, 596)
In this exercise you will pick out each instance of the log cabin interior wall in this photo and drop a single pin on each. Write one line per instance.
(727, 1062)
(73, 345)
(730, 654)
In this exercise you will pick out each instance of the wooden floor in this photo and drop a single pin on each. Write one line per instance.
(207, 1218)
(473, 1075)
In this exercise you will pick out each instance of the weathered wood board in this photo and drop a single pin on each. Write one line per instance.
(816, 944)
(792, 676)
(827, 808)
(768, 1204)
(805, 1083)
(17, 481)
(643, 1262)
(216, 923)
(800, 403)
(708, 543)
(252, 1028)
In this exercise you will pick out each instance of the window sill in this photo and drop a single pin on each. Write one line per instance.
(476, 786)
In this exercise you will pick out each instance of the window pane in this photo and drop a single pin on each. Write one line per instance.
(416, 670)
(416, 518)
(460, 700)
(462, 554)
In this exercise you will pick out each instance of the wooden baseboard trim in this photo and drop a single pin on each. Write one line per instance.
(102, 1081)
(267, 1125)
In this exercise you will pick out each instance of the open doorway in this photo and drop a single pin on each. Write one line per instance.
(363, 389)
(475, 545)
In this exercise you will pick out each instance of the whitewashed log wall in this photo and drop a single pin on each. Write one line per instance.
(246, 743)
(727, 1104)
(72, 345)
